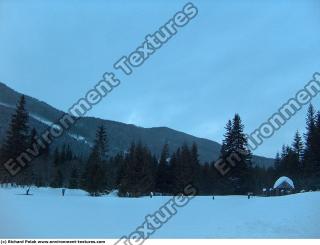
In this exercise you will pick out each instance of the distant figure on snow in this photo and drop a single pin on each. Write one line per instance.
(151, 194)
(63, 191)
(212, 197)
(27, 192)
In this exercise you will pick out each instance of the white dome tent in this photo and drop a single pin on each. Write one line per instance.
(284, 185)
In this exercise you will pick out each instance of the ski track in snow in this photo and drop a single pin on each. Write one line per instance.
(49, 123)
(46, 214)
(6, 105)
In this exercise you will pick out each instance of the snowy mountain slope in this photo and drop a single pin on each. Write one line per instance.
(51, 124)
(81, 147)
(47, 214)
(121, 135)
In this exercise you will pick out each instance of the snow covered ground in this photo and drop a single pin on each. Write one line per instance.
(46, 214)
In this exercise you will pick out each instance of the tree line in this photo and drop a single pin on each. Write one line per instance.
(138, 172)
(301, 159)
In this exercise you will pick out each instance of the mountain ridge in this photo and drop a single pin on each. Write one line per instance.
(121, 135)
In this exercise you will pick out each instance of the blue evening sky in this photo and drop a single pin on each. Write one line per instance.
(236, 56)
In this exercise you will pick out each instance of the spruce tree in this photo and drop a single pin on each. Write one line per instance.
(138, 177)
(226, 148)
(277, 161)
(63, 154)
(56, 156)
(68, 155)
(283, 166)
(183, 168)
(95, 171)
(74, 179)
(58, 179)
(310, 158)
(55, 167)
(317, 150)
(240, 174)
(101, 143)
(298, 146)
(17, 140)
(291, 161)
(29, 173)
(290, 164)
(175, 169)
(33, 137)
(195, 166)
(163, 172)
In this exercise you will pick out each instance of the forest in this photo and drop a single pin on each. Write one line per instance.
(138, 172)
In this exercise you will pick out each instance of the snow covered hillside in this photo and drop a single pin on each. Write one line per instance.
(46, 214)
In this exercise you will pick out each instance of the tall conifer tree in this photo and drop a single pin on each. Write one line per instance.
(17, 140)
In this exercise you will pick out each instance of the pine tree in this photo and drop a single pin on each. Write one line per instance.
(318, 130)
(163, 172)
(95, 179)
(138, 174)
(101, 143)
(68, 153)
(238, 137)
(195, 166)
(295, 158)
(240, 174)
(301, 161)
(226, 148)
(58, 179)
(175, 169)
(292, 161)
(95, 172)
(290, 164)
(195, 155)
(310, 159)
(33, 137)
(45, 151)
(277, 161)
(17, 140)
(298, 146)
(317, 150)
(182, 169)
(284, 151)
(29, 173)
(56, 157)
(206, 180)
(63, 154)
(74, 179)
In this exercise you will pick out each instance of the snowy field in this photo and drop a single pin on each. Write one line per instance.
(46, 214)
